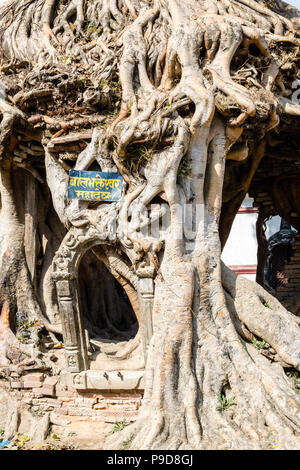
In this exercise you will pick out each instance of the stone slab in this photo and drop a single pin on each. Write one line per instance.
(104, 380)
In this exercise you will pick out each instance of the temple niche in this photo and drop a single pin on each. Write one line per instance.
(105, 317)
(108, 317)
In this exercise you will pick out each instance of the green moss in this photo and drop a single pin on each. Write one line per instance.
(185, 168)
(295, 376)
(260, 344)
(127, 443)
(102, 84)
(119, 426)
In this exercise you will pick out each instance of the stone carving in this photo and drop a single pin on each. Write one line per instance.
(72, 361)
(75, 243)
(79, 380)
(65, 271)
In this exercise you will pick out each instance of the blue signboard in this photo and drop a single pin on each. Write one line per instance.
(94, 186)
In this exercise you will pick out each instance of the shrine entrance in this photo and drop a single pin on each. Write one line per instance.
(108, 318)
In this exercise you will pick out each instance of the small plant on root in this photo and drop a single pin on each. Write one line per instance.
(119, 426)
(225, 403)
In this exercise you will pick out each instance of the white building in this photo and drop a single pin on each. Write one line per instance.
(240, 251)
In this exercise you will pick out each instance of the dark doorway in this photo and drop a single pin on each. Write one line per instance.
(107, 312)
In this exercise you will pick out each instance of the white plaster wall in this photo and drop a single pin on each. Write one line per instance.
(273, 225)
(241, 246)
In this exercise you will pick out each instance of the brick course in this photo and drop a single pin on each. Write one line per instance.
(45, 392)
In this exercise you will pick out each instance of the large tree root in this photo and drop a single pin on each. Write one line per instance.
(12, 351)
(181, 408)
(15, 282)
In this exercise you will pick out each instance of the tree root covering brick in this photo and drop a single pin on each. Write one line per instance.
(35, 411)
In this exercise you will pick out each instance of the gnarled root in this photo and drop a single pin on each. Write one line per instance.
(11, 349)
(264, 412)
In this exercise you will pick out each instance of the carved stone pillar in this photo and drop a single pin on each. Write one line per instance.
(146, 296)
(73, 331)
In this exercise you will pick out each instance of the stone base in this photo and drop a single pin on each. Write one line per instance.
(104, 380)
(89, 395)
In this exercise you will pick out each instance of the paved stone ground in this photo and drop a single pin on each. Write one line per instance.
(73, 433)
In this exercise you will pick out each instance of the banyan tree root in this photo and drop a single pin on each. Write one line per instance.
(208, 386)
(11, 349)
(14, 274)
(216, 365)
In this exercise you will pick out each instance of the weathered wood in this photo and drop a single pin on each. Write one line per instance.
(71, 138)
(30, 240)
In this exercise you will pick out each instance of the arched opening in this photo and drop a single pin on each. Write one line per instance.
(108, 317)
